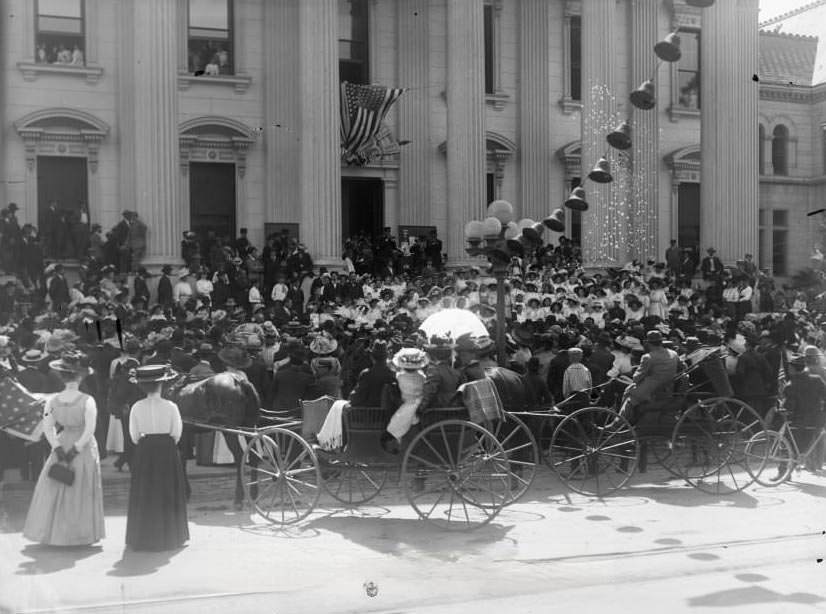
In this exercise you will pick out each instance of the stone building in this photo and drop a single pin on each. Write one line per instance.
(222, 114)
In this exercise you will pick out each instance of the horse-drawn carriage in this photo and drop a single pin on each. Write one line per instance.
(458, 473)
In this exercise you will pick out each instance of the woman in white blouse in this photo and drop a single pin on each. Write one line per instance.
(156, 518)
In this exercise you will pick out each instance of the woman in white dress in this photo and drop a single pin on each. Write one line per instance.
(410, 363)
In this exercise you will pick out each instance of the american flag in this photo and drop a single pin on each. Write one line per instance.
(21, 412)
(363, 108)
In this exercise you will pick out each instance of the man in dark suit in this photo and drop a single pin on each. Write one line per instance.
(441, 379)
(165, 287)
(139, 287)
(371, 381)
(59, 289)
(293, 381)
(711, 267)
(805, 401)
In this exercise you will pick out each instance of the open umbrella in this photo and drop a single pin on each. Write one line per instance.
(453, 323)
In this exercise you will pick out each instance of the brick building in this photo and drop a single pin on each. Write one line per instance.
(222, 114)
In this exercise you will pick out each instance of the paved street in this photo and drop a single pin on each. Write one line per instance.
(653, 546)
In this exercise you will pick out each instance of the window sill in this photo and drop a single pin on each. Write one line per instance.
(240, 82)
(32, 70)
(569, 105)
(677, 113)
(497, 100)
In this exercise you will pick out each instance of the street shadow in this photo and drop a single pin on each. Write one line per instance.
(142, 563)
(815, 490)
(688, 497)
(51, 559)
(751, 595)
(396, 536)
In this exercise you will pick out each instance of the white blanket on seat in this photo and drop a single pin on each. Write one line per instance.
(330, 435)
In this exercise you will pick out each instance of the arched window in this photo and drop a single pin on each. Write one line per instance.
(780, 150)
(761, 154)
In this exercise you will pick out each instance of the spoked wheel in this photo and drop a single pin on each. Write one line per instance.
(456, 475)
(594, 451)
(522, 452)
(352, 483)
(280, 476)
(662, 453)
(769, 458)
(709, 445)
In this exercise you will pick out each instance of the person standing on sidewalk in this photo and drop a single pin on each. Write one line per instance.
(156, 519)
(63, 514)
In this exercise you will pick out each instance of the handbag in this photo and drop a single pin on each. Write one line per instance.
(62, 473)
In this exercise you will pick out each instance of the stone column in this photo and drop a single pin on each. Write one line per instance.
(535, 144)
(281, 112)
(604, 225)
(465, 121)
(643, 228)
(414, 112)
(320, 162)
(729, 209)
(150, 126)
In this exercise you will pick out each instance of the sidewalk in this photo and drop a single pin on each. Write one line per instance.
(209, 484)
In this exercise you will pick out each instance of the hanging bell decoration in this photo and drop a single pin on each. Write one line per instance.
(576, 201)
(700, 4)
(556, 221)
(601, 172)
(518, 245)
(668, 49)
(534, 232)
(643, 97)
(620, 138)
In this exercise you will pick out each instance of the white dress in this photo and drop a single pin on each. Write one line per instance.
(411, 386)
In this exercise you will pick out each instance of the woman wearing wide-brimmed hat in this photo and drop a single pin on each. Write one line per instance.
(156, 519)
(410, 363)
(61, 514)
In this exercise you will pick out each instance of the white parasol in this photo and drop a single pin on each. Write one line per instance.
(453, 323)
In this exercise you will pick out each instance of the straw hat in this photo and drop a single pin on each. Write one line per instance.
(71, 361)
(152, 373)
(410, 359)
(322, 346)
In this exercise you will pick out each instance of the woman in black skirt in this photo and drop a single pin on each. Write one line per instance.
(157, 499)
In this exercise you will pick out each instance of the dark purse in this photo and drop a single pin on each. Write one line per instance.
(62, 473)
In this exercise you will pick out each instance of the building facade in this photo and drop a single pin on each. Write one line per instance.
(222, 114)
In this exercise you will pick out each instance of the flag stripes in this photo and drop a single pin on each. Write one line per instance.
(363, 108)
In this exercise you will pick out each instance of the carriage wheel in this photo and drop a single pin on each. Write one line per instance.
(662, 453)
(522, 452)
(709, 445)
(594, 451)
(456, 475)
(769, 458)
(353, 483)
(281, 477)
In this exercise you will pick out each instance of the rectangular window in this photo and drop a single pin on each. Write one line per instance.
(780, 237)
(575, 53)
(780, 217)
(353, 42)
(209, 37)
(489, 50)
(688, 70)
(490, 187)
(60, 32)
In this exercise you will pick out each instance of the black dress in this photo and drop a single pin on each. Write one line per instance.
(157, 500)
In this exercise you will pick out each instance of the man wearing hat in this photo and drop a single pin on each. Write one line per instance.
(805, 401)
(165, 296)
(441, 379)
(371, 381)
(293, 381)
(654, 379)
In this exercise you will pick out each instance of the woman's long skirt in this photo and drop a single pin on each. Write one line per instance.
(157, 498)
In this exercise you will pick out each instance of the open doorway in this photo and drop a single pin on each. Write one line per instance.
(362, 207)
(212, 199)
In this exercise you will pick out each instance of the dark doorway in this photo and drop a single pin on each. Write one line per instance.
(64, 181)
(362, 207)
(688, 216)
(212, 199)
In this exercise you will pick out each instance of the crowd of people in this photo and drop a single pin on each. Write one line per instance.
(293, 332)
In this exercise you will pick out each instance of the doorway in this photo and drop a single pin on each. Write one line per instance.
(362, 207)
(63, 181)
(688, 218)
(212, 199)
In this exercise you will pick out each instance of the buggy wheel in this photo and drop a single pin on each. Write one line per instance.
(352, 483)
(594, 451)
(522, 453)
(456, 476)
(769, 458)
(280, 476)
(663, 455)
(709, 445)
